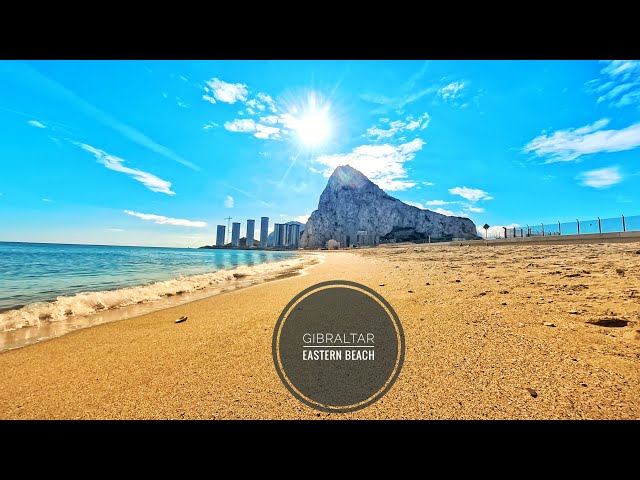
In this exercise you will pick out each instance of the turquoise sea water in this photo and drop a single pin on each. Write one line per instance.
(37, 272)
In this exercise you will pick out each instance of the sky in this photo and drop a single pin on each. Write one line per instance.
(157, 153)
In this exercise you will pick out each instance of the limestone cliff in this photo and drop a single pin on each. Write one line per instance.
(352, 203)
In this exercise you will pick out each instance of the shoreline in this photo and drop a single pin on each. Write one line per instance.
(233, 279)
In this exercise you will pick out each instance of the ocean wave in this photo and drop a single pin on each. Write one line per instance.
(66, 308)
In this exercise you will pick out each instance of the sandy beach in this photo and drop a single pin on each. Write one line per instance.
(492, 332)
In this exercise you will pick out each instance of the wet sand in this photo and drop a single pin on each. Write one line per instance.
(502, 332)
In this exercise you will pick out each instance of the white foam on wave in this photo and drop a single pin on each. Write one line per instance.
(66, 308)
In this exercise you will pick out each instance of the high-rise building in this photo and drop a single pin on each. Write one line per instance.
(220, 235)
(235, 234)
(251, 228)
(277, 240)
(292, 239)
(264, 231)
(279, 235)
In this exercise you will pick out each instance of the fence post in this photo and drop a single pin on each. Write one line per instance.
(559, 229)
(624, 225)
(542, 229)
(505, 232)
(599, 226)
(578, 222)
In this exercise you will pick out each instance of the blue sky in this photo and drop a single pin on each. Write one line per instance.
(160, 152)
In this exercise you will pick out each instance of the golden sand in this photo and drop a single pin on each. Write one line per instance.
(479, 343)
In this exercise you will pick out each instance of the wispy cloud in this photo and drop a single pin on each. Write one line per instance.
(428, 184)
(209, 125)
(153, 183)
(226, 92)
(181, 104)
(414, 204)
(24, 72)
(302, 218)
(471, 194)
(619, 85)
(451, 91)
(436, 203)
(162, 220)
(383, 164)
(397, 127)
(47, 200)
(241, 125)
(249, 125)
(450, 213)
(35, 123)
(117, 229)
(601, 178)
(229, 202)
(474, 209)
(571, 144)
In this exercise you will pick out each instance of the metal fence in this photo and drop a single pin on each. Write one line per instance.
(579, 227)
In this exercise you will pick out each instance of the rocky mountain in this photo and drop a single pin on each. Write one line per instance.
(353, 208)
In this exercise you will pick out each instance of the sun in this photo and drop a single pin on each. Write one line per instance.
(314, 128)
(309, 119)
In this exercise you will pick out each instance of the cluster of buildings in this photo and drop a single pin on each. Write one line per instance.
(285, 235)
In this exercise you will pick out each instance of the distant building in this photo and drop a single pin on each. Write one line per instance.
(292, 235)
(220, 235)
(264, 231)
(235, 234)
(333, 244)
(251, 228)
(279, 230)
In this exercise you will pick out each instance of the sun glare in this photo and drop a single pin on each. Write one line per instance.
(314, 128)
(309, 119)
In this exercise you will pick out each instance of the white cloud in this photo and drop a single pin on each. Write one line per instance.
(451, 91)
(382, 164)
(471, 194)
(398, 126)
(601, 178)
(153, 183)
(436, 203)
(229, 202)
(302, 218)
(35, 123)
(571, 144)
(115, 229)
(270, 119)
(414, 204)
(162, 220)
(619, 84)
(209, 125)
(269, 101)
(241, 125)
(262, 131)
(488, 197)
(444, 212)
(47, 200)
(207, 98)
(180, 103)
(227, 92)
(475, 209)
(428, 184)
(250, 111)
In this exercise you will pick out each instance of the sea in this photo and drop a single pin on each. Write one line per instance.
(50, 289)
